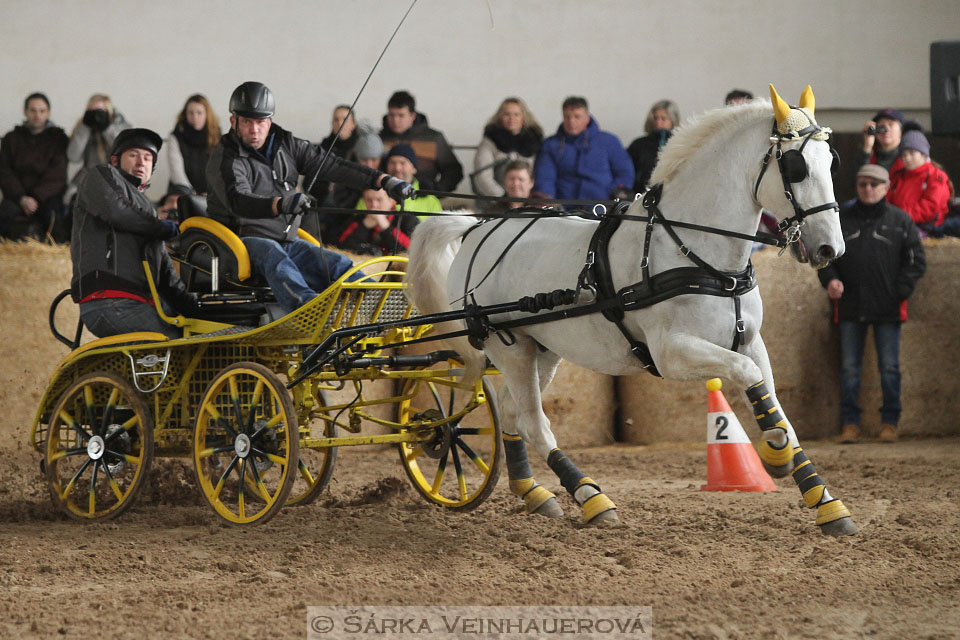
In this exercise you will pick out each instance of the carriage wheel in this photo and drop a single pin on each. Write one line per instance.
(245, 444)
(458, 469)
(315, 466)
(99, 447)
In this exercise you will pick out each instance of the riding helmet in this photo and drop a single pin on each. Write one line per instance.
(252, 100)
(137, 139)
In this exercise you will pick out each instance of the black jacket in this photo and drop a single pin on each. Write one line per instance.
(644, 152)
(437, 166)
(243, 181)
(881, 265)
(115, 228)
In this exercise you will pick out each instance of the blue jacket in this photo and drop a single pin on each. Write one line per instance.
(589, 165)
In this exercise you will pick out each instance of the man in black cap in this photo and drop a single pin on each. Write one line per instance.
(116, 228)
(252, 176)
(881, 140)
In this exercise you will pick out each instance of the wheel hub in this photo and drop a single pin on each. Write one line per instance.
(242, 445)
(95, 448)
(439, 445)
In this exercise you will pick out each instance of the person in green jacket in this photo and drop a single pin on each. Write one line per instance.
(402, 161)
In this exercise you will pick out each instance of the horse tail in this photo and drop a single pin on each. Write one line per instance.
(433, 247)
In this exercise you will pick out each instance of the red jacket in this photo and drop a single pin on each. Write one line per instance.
(923, 192)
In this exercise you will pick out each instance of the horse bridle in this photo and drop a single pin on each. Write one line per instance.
(793, 169)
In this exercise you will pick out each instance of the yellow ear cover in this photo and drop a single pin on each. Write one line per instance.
(780, 108)
(806, 99)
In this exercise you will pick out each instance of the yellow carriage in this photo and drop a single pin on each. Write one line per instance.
(260, 435)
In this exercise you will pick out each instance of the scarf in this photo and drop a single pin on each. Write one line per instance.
(526, 143)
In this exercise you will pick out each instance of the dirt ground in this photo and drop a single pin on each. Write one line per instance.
(712, 565)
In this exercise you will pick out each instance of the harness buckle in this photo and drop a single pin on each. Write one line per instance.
(740, 326)
(684, 250)
(732, 286)
(644, 261)
(590, 259)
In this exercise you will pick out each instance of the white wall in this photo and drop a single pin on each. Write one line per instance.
(461, 57)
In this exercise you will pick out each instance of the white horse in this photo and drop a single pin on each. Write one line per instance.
(718, 171)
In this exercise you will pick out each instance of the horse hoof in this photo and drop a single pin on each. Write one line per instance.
(550, 508)
(605, 518)
(781, 471)
(841, 527)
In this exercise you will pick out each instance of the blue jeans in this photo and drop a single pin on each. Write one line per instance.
(886, 339)
(113, 316)
(296, 271)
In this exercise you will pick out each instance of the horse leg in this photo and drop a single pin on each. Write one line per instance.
(526, 371)
(782, 450)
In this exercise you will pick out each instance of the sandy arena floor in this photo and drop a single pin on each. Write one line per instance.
(712, 565)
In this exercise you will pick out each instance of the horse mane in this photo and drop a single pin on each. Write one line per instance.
(695, 133)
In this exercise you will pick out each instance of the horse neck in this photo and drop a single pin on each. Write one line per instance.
(717, 194)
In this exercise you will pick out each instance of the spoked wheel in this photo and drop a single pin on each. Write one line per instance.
(315, 466)
(245, 444)
(99, 447)
(459, 467)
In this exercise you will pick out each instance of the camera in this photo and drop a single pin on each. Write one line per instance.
(872, 130)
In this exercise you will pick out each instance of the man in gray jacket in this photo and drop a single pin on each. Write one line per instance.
(115, 228)
(252, 179)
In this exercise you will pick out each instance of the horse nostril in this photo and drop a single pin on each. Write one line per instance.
(826, 252)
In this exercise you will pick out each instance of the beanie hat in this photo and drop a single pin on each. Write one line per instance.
(406, 151)
(874, 171)
(915, 140)
(890, 114)
(368, 146)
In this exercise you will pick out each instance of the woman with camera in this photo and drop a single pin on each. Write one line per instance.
(93, 137)
(881, 140)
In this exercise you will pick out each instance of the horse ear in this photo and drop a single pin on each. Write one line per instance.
(780, 108)
(806, 99)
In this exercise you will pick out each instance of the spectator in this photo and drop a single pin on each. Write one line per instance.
(580, 161)
(918, 187)
(403, 163)
(881, 140)
(439, 168)
(661, 120)
(93, 137)
(190, 144)
(737, 96)
(115, 229)
(253, 176)
(369, 152)
(33, 176)
(518, 180)
(378, 234)
(869, 286)
(341, 141)
(511, 134)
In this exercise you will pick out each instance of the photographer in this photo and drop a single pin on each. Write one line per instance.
(881, 140)
(93, 137)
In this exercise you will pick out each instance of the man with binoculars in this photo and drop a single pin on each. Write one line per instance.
(881, 140)
(252, 175)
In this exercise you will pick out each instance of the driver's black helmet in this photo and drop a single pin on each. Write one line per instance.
(252, 100)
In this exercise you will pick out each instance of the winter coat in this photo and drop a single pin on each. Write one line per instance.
(889, 160)
(358, 238)
(33, 165)
(924, 193)
(91, 148)
(590, 165)
(644, 152)
(243, 182)
(882, 263)
(115, 228)
(436, 163)
(187, 157)
(496, 150)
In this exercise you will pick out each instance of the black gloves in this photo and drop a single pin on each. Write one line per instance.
(96, 119)
(398, 189)
(170, 229)
(294, 204)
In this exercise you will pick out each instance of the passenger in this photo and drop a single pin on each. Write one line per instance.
(115, 228)
(190, 144)
(252, 176)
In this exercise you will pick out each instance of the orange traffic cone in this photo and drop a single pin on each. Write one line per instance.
(732, 462)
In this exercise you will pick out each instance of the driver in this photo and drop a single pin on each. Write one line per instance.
(252, 175)
(115, 228)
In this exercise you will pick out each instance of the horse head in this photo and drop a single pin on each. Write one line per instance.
(803, 199)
